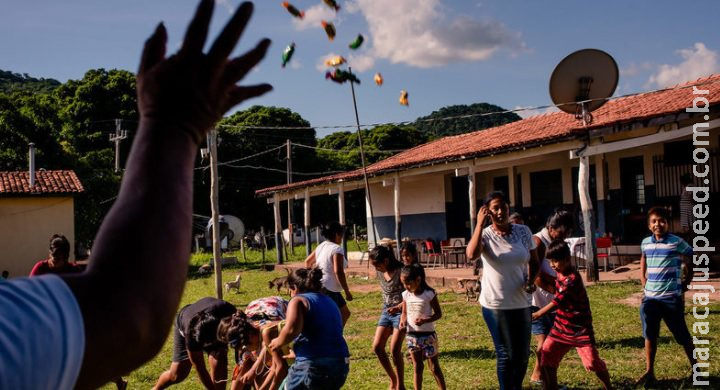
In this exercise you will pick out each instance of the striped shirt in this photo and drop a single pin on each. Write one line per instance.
(573, 319)
(663, 261)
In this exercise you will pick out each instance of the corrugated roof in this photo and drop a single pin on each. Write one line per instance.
(46, 182)
(529, 132)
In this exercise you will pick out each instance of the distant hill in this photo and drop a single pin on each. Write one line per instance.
(435, 127)
(11, 82)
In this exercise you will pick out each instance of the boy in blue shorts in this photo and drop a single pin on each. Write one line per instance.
(663, 255)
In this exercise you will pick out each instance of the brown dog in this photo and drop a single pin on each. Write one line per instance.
(471, 287)
(280, 282)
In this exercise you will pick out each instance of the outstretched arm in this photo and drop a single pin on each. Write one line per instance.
(180, 98)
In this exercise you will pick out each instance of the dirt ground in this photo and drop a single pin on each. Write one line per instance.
(445, 279)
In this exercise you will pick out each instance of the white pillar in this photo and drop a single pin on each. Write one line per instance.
(396, 208)
(472, 198)
(511, 186)
(306, 221)
(588, 223)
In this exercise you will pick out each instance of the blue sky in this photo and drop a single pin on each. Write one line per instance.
(442, 52)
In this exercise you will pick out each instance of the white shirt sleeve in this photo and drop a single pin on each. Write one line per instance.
(42, 337)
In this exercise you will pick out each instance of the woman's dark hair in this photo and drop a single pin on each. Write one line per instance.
(495, 195)
(306, 279)
(329, 230)
(203, 328)
(234, 330)
(561, 218)
(380, 253)
(558, 250)
(413, 272)
(59, 243)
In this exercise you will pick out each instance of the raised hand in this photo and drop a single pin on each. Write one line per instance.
(191, 90)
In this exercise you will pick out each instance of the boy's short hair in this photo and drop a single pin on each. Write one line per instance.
(558, 250)
(660, 212)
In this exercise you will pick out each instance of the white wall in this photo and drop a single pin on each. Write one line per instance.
(418, 195)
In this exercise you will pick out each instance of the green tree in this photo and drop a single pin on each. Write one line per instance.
(14, 82)
(88, 108)
(244, 168)
(469, 119)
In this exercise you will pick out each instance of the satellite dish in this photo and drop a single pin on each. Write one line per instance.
(237, 227)
(589, 76)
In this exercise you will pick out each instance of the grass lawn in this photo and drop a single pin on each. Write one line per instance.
(467, 354)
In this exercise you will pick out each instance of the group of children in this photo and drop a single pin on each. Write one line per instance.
(314, 318)
(566, 310)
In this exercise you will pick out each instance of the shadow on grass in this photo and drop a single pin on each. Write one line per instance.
(633, 342)
(669, 383)
(472, 353)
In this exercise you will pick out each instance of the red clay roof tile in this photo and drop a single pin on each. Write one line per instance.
(535, 130)
(46, 182)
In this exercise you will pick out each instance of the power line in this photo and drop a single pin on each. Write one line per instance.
(515, 110)
(346, 150)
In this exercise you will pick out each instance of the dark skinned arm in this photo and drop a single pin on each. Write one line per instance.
(179, 99)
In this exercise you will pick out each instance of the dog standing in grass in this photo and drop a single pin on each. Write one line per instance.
(280, 282)
(234, 284)
(472, 287)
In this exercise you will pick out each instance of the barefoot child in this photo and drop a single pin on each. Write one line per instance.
(420, 310)
(388, 269)
(573, 321)
(661, 264)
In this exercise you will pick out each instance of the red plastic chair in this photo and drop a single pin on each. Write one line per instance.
(604, 243)
(432, 255)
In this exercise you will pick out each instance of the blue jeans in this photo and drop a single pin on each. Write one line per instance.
(510, 331)
(317, 373)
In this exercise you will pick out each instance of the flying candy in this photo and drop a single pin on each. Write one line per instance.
(357, 42)
(332, 4)
(293, 11)
(404, 98)
(335, 61)
(378, 79)
(288, 53)
(341, 76)
(329, 29)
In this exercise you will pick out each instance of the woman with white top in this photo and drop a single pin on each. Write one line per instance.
(510, 265)
(330, 258)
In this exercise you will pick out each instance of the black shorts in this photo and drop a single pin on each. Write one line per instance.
(337, 298)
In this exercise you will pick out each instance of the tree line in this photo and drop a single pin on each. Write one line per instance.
(70, 125)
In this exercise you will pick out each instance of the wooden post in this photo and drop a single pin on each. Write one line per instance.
(588, 222)
(307, 222)
(398, 221)
(278, 229)
(263, 243)
(341, 213)
(214, 205)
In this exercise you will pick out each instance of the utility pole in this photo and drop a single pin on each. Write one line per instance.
(214, 205)
(119, 135)
(290, 201)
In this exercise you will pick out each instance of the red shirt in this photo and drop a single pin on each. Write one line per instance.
(573, 319)
(43, 267)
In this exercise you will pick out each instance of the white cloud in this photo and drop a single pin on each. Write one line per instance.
(361, 62)
(698, 61)
(228, 6)
(313, 16)
(420, 33)
(635, 69)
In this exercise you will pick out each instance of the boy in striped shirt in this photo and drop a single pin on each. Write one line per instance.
(663, 255)
(573, 321)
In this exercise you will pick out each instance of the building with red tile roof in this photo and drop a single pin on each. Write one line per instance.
(638, 147)
(31, 212)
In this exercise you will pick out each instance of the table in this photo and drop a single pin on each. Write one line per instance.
(455, 250)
